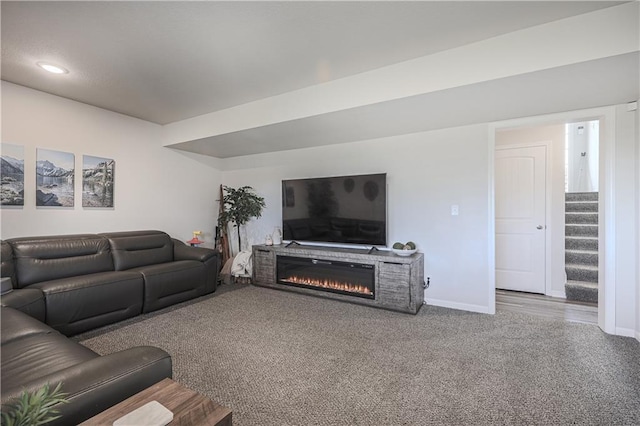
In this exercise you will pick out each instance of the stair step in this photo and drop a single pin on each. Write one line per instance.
(581, 206)
(581, 196)
(583, 230)
(581, 243)
(580, 218)
(581, 291)
(581, 272)
(581, 257)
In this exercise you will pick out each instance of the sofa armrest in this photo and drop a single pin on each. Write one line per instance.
(97, 384)
(28, 300)
(181, 251)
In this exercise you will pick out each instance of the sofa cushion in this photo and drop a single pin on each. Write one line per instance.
(40, 259)
(139, 248)
(77, 304)
(170, 283)
(25, 359)
(30, 347)
(34, 354)
(28, 300)
(16, 325)
(102, 382)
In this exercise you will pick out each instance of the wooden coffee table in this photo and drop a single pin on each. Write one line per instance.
(188, 407)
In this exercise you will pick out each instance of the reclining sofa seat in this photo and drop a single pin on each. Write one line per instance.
(76, 276)
(33, 354)
(79, 282)
(173, 272)
(76, 283)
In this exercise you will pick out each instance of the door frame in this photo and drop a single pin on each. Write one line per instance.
(547, 207)
(606, 204)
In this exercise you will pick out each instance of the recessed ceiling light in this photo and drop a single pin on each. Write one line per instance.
(55, 69)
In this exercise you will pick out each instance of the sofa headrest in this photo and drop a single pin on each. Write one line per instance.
(139, 248)
(40, 259)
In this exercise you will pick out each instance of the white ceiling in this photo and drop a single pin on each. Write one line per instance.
(168, 61)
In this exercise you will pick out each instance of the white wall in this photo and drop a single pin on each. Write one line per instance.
(637, 168)
(430, 171)
(155, 187)
(426, 173)
(582, 156)
(554, 136)
(626, 194)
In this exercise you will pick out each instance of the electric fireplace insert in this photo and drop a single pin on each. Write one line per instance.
(353, 279)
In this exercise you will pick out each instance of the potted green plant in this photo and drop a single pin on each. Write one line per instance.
(239, 206)
(35, 408)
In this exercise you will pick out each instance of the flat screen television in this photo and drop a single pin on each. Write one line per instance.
(341, 209)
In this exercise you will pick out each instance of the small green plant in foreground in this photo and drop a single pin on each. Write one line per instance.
(35, 408)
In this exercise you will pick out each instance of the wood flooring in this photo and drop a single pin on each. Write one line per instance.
(546, 306)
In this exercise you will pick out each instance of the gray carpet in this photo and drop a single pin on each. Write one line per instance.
(581, 246)
(279, 358)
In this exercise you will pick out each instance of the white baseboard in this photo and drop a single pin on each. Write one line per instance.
(627, 332)
(560, 294)
(460, 306)
(638, 336)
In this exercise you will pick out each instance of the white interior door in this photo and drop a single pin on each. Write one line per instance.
(520, 218)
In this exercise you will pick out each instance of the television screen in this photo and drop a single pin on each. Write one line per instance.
(344, 209)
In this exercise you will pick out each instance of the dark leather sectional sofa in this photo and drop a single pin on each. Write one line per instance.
(64, 285)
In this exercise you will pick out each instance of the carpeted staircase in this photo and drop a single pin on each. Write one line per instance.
(581, 246)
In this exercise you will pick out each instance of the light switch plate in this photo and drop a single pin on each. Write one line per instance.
(455, 210)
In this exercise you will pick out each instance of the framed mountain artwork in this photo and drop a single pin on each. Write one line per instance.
(12, 175)
(54, 178)
(97, 181)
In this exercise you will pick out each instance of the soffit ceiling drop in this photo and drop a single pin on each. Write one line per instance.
(168, 61)
(590, 84)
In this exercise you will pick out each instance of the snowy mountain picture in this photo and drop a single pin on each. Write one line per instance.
(12, 175)
(48, 169)
(97, 181)
(54, 178)
(12, 165)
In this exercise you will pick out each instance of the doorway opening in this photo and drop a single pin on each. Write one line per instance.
(609, 126)
(582, 145)
(566, 233)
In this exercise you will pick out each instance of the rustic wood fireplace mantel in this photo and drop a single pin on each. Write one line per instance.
(398, 282)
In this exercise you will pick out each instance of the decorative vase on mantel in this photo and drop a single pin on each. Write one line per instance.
(277, 236)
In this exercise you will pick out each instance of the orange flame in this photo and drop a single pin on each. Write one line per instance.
(331, 284)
